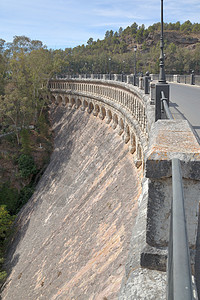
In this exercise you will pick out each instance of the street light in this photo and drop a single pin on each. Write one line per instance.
(162, 77)
(162, 87)
(123, 66)
(109, 60)
(134, 77)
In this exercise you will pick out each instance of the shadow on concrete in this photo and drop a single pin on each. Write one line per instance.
(178, 115)
(174, 109)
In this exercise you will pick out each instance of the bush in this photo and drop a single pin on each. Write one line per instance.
(43, 126)
(6, 221)
(25, 141)
(27, 166)
(9, 197)
(24, 195)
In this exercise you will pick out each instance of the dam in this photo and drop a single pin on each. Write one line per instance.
(97, 226)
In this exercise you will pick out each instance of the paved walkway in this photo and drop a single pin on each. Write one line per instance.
(185, 104)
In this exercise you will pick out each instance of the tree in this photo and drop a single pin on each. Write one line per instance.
(186, 26)
(90, 41)
(134, 28)
(3, 66)
(26, 166)
(120, 31)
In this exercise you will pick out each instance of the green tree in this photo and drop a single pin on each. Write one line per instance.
(27, 166)
(186, 26)
(25, 141)
(6, 221)
(9, 197)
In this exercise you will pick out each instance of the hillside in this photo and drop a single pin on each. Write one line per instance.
(115, 53)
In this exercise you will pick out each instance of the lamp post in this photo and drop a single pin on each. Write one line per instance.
(109, 60)
(123, 65)
(162, 77)
(162, 87)
(134, 77)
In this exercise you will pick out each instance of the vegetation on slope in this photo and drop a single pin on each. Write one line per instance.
(182, 45)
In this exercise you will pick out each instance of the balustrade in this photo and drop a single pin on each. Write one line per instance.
(126, 98)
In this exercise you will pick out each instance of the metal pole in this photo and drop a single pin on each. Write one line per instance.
(109, 60)
(162, 77)
(134, 78)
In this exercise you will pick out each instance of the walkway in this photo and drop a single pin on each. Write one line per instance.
(185, 103)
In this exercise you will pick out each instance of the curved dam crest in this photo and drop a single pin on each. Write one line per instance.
(73, 236)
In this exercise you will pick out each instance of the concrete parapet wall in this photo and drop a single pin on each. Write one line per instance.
(171, 139)
(147, 259)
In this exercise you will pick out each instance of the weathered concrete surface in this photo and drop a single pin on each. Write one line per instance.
(73, 237)
(179, 142)
(142, 283)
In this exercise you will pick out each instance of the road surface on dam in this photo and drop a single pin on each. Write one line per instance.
(185, 103)
(73, 237)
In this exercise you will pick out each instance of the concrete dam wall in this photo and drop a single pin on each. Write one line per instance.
(73, 236)
(98, 225)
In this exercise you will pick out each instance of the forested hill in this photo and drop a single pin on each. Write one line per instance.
(182, 45)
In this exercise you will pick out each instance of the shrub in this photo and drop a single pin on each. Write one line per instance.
(6, 221)
(24, 195)
(25, 141)
(27, 166)
(9, 197)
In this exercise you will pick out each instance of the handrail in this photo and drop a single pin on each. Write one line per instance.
(165, 106)
(179, 268)
(179, 278)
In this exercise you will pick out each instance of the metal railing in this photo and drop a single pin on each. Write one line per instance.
(179, 268)
(190, 79)
(179, 278)
(165, 107)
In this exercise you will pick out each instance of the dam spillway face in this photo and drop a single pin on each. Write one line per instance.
(73, 237)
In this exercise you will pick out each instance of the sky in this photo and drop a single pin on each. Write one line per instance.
(61, 24)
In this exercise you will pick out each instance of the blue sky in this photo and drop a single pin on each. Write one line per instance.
(68, 23)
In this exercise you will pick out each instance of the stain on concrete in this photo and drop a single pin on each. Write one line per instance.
(73, 237)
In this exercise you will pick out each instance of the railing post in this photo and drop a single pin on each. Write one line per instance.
(192, 78)
(115, 77)
(134, 80)
(159, 88)
(147, 79)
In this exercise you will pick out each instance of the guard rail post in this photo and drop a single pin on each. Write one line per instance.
(192, 78)
(147, 79)
(161, 87)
